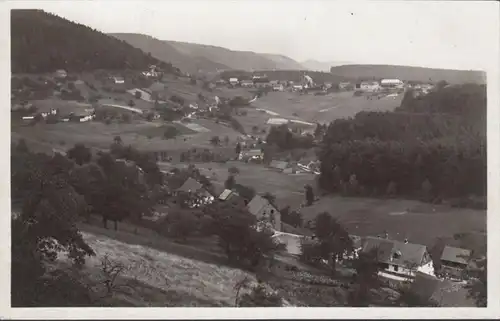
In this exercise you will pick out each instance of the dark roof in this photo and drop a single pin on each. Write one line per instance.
(396, 252)
(455, 254)
(256, 204)
(190, 185)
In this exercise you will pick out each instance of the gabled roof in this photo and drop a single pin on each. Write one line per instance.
(226, 194)
(256, 204)
(190, 185)
(455, 254)
(396, 252)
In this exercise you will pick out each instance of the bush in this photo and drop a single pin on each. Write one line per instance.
(138, 95)
(170, 132)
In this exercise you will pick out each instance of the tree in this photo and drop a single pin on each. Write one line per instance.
(131, 103)
(229, 183)
(180, 225)
(215, 140)
(80, 154)
(238, 148)
(45, 226)
(478, 288)
(233, 170)
(409, 298)
(334, 240)
(170, 132)
(239, 238)
(137, 94)
(365, 279)
(271, 198)
(309, 195)
(226, 140)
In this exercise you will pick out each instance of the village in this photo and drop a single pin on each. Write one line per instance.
(161, 173)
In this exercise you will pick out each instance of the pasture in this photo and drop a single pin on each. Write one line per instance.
(322, 109)
(146, 136)
(419, 222)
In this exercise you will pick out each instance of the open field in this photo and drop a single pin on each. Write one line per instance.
(321, 109)
(419, 222)
(99, 135)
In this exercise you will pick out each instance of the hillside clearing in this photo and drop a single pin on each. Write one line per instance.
(156, 278)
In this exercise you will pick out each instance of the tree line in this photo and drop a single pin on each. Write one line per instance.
(432, 147)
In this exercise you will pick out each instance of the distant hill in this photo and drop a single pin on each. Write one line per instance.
(44, 42)
(192, 57)
(316, 65)
(407, 73)
(165, 51)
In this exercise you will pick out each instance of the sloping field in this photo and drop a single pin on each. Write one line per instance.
(322, 109)
(419, 222)
(156, 278)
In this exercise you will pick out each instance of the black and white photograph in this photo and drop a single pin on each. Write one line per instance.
(251, 154)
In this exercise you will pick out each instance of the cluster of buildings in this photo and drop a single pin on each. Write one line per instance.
(398, 260)
(262, 81)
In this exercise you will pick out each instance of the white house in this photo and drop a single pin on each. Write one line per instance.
(233, 81)
(401, 259)
(247, 83)
(391, 83)
(369, 86)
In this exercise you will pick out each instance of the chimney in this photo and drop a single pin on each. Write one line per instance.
(406, 241)
(386, 235)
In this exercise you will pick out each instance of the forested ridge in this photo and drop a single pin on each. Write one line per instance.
(43, 42)
(432, 147)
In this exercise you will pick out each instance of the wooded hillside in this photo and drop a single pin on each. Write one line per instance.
(44, 42)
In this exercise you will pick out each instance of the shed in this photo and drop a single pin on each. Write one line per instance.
(454, 256)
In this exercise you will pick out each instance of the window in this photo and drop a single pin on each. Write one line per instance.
(396, 268)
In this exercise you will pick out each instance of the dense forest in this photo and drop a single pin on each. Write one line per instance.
(432, 147)
(43, 42)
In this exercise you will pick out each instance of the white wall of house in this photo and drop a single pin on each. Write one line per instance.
(427, 268)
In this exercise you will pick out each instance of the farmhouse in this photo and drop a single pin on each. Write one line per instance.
(368, 86)
(397, 258)
(247, 83)
(391, 83)
(264, 210)
(455, 258)
(196, 189)
(251, 155)
(233, 81)
(118, 80)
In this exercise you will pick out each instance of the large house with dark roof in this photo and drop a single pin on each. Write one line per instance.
(401, 259)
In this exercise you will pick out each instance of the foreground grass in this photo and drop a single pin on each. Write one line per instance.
(156, 278)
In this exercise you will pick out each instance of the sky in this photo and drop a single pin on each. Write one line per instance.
(441, 34)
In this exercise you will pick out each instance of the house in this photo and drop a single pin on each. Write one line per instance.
(233, 81)
(118, 80)
(278, 165)
(391, 83)
(454, 259)
(278, 87)
(61, 73)
(195, 188)
(247, 83)
(369, 86)
(251, 155)
(400, 259)
(344, 85)
(264, 210)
